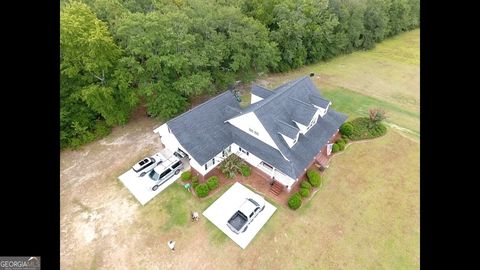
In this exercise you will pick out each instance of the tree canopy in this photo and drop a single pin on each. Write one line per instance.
(116, 53)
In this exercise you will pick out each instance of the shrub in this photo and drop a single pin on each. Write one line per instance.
(295, 201)
(186, 175)
(346, 129)
(314, 178)
(363, 129)
(341, 144)
(202, 190)
(212, 183)
(335, 148)
(306, 184)
(246, 171)
(231, 165)
(304, 192)
(194, 181)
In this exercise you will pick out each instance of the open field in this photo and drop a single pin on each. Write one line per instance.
(365, 216)
(387, 76)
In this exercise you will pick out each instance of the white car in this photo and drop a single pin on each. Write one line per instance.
(166, 170)
(147, 164)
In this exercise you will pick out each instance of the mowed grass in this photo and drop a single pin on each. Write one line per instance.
(365, 216)
(387, 76)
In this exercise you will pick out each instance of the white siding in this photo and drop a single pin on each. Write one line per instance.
(302, 128)
(256, 162)
(289, 141)
(248, 123)
(255, 99)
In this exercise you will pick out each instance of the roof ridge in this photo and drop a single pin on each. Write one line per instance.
(283, 122)
(200, 105)
(278, 93)
(303, 102)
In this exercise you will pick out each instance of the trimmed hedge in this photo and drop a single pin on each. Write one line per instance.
(304, 192)
(246, 171)
(212, 182)
(202, 190)
(335, 148)
(346, 129)
(295, 201)
(314, 178)
(194, 181)
(341, 144)
(306, 184)
(186, 175)
(362, 131)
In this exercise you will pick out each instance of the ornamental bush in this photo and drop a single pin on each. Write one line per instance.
(202, 190)
(346, 129)
(314, 178)
(246, 171)
(304, 192)
(341, 144)
(335, 148)
(194, 181)
(212, 182)
(295, 201)
(306, 184)
(186, 175)
(362, 129)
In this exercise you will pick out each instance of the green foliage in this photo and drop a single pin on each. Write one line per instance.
(202, 190)
(304, 192)
(362, 129)
(114, 53)
(246, 171)
(335, 148)
(212, 183)
(346, 129)
(314, 178)
(341, 144)
(306, 184)
(186, 175)
(295, 201)
(231, 166)
(195, 181)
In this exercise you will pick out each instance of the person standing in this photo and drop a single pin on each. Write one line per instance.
(171, 245)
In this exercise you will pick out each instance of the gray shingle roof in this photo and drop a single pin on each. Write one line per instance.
(201, 131)
(287, 130)
(319, 101)
(301, 112)
(204, 133)
(261, 91)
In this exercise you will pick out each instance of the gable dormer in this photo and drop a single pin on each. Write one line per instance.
(289, 132)
(258, 93)
(320, 103)
(302, 114)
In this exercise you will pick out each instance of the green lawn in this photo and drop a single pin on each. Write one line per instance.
(387, 76)
(364, 216)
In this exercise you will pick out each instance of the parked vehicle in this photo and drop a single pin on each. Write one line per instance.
(180, 154)
(246, 213)
(165, 170)
(147, 164)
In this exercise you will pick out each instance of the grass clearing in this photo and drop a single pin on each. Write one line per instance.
(365, 215)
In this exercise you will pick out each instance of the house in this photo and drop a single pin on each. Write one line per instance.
(280, 134)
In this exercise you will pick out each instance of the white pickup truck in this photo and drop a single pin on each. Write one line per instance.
(246, 213)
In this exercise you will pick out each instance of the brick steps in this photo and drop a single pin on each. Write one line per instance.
(276, 188)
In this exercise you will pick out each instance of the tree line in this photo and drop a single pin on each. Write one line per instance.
(117, 54)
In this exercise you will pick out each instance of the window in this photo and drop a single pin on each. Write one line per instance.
(253, 131)
(174, 166)
(167, 171)
(206, 167)
(251, 214)
(213, 161)
(267, 165)
(243, 150)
